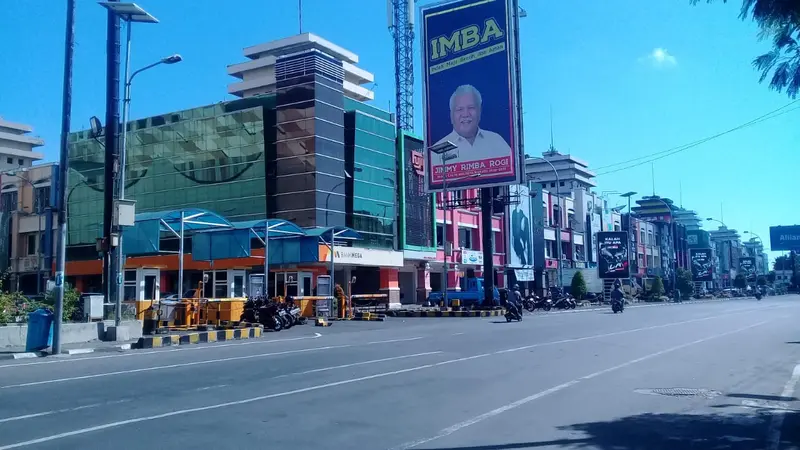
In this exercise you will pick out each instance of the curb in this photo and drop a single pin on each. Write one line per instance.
(415, 314)
(199, 337)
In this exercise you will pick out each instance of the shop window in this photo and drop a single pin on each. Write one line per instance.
(465, 238)
(439, 235)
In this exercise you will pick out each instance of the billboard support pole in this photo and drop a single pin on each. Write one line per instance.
(486, 243)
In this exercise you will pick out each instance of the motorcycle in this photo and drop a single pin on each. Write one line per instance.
(529, 303)
(268, 315)
(543, 303)
(513, 312)
(617, 306)
(565, 302)
(758, 296)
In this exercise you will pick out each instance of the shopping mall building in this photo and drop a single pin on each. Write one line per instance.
(300, 141)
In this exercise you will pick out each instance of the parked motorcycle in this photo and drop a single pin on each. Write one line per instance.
(543, 303)
(529, 303)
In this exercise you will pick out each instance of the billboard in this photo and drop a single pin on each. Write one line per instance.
(747, 267)
(612, 249)
(702, 268)
(784, 238)
(519, 228)
(418, 215)
(470, 84)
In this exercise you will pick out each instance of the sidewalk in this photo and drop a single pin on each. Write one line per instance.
(68, 349)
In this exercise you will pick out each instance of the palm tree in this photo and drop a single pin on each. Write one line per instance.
(779, 21)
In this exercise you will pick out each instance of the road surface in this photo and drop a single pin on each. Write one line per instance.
(692, 376)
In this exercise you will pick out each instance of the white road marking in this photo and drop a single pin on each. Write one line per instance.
(449, 430)
(776, 423)
(59, 411)
(765, 404)
(211, 387)
(157, 352)
(362, 363)
(227, 404)
(169, 366)
(396, 340)
(495, 412)
(457, 334)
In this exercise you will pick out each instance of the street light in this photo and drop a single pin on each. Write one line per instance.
(628, 195)
(711, 219)
(559, 252)
(38, 212)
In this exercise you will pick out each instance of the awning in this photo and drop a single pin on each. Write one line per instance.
(144, 237)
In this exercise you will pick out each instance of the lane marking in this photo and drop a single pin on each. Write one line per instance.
(451, 430)
(158, 352)
(396, 340)
(121, 423)
(211, 387)
(59, 411)
(362, 363)
(776, 422)
(495, 412)
(168, 366)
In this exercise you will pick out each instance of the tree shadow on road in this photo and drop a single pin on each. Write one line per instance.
(735, 431)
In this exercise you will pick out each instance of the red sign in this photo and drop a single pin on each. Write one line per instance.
(418, 161)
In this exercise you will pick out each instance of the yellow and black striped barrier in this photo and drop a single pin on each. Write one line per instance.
(199, 337)
(410, 314)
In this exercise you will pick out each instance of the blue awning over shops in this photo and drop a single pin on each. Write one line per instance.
(144, 237)
(210, 245)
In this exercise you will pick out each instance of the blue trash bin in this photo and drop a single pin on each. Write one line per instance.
(40, 330)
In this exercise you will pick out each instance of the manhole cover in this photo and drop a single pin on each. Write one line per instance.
(680, 392)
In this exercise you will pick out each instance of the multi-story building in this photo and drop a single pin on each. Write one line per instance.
(301, 147)
(728, 247)
(16, 153)
(673, 245)
(646, 239)
(754, 248)
(27, 198)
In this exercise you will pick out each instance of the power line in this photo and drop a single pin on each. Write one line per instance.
(671, 151)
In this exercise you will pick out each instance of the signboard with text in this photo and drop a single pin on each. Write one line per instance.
(702, 264)
(612, 253)
(784, 238)
(469, 89)
(747, 267)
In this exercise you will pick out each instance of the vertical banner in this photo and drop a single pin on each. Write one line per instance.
(469, 93)
(747, 267)
(612, 249)
(519, 228)
(702, 268)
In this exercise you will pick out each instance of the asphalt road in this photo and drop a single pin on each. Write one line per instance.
(692, 376)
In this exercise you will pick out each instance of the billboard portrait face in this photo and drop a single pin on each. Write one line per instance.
(612, 254)
(520, 228)
(469, 94)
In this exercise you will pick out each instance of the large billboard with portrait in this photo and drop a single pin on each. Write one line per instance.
(702, 264)
(469, 90)
(519, 227)
(612, 254)
(747, 267)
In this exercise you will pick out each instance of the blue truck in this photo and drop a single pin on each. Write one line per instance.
(470, 297)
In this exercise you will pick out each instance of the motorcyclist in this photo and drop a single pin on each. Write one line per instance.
(516, 299)
(617, 295)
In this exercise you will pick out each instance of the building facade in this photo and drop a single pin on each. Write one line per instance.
(300, 146)
(727, 243)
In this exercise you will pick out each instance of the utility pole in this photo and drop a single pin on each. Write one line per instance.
(63, 174)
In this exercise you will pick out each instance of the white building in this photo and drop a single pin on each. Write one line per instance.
(573, 173)
(16, 146)
(264, 71)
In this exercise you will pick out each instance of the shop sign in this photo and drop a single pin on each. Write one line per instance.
(471, 257)
(362, 256)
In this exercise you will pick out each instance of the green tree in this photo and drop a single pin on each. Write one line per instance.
(657, 288)
(685, 283)
(578, 289)
(762, 280)
(779, 21)
(740, 281)
(71, 300)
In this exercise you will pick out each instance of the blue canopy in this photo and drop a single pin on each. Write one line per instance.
(144, 237)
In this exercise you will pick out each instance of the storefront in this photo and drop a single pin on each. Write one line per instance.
(365, 271)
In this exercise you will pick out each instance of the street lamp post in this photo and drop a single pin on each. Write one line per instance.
(558, 224)
(628, 195)
(130, 13)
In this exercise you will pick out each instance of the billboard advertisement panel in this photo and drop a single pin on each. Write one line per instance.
(784, 238)
(469, 91)
(747, 267)
(418, 217)
(702, 268)
(612, 249)
(519, 228)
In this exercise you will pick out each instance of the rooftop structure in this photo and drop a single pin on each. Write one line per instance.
(573, 173)
(272, 63)
(16, 146)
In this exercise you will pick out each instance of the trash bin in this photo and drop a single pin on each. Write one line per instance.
(40, 330)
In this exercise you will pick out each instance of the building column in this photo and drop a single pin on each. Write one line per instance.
(453, 277)
(390, 285)
(423, 282)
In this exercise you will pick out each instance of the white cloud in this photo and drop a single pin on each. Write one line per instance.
(660, 57)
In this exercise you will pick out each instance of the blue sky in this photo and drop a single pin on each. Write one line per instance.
(615, 95)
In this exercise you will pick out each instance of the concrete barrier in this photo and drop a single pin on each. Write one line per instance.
(199, 337)
(13, 335)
